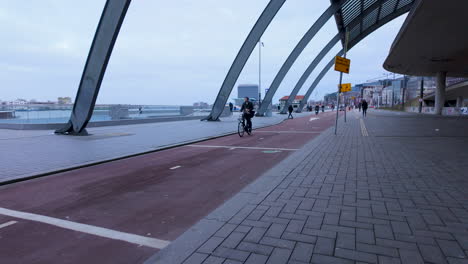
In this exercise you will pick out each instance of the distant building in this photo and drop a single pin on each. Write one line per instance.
(247, 90)
(64, 100)
(201, 105)
(297, 101)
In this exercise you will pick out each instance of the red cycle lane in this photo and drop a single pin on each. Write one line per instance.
(157, 195)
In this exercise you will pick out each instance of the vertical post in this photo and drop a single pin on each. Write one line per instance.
(259, 71)
(421, 95)
(339, 86)
(440, 92)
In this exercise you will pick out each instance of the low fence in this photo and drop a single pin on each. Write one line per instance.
(449, 111)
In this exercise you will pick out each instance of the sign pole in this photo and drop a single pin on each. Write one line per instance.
(339, 86)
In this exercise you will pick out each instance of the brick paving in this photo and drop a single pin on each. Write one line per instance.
(399, 195)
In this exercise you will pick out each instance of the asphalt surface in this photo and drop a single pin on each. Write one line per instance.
(158, 195)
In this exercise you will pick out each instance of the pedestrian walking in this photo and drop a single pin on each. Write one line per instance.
(231, 107)
(290, 110)
(323, 108)
(364, 107)
(360, 106)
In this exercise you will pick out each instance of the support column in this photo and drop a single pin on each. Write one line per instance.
(460, 101)
(440, 92)
(101, 49)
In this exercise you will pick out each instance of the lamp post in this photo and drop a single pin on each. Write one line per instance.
(260, 45)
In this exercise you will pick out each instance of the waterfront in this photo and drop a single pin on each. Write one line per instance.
(49, 114)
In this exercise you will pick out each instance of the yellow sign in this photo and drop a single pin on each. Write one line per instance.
(345, 87)
(342, 64)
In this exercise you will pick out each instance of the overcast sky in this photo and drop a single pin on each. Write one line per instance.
(168, 52)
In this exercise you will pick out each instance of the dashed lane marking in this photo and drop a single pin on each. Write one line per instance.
(8, 224)
(313, 118)
(363, 129)
(174, 168)
(236, 147)
(88, 229)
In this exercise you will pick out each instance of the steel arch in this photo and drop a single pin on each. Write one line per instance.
(308, 36)
(241, 59)
(309, 70)
(353, 43)
(106, 34)
(356, 21)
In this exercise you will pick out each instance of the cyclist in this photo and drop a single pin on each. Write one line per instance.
(247, 112)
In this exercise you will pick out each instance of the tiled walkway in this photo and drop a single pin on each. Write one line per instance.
(398, 195)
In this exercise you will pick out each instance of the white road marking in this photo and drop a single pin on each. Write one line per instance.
(235, 147)
(88, 229)
(289, 132)
(313, 118)
(364, 129)
(8, 224)
(176, 167)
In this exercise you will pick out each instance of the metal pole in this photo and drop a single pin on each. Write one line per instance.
(259, 72)
(393, 91)
(339, 86)
(421, 94)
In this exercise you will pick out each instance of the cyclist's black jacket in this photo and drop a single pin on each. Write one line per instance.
(247, 105)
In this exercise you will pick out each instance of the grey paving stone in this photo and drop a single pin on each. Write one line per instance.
(410, 257)
(279, 256)
(324, 246)
(365, 236)
(379, 250)
(256, 259)
(214, 260)
(322, 259)
(255, 234)
(275, 242)
(233, 240)
(299, 237)
(255, 248)
(355, 255)
(230, 253)
(243, 229)
(416, 239)
(401, 227)
(319, 233)
(302, 252)
(388, 260)
(457, 261)
(383, 231)
(295, 226)
(432, 254)
(210, 245)
(255, 223)
(226, 230)
(196, 258)
(345, 240)
(276, 230)
(230, 261)
(451, 248)
(341, 229)
(396, 244)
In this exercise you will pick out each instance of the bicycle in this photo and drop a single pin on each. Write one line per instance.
(242, 127)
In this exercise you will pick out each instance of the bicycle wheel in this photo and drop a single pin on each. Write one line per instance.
(240, 129)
